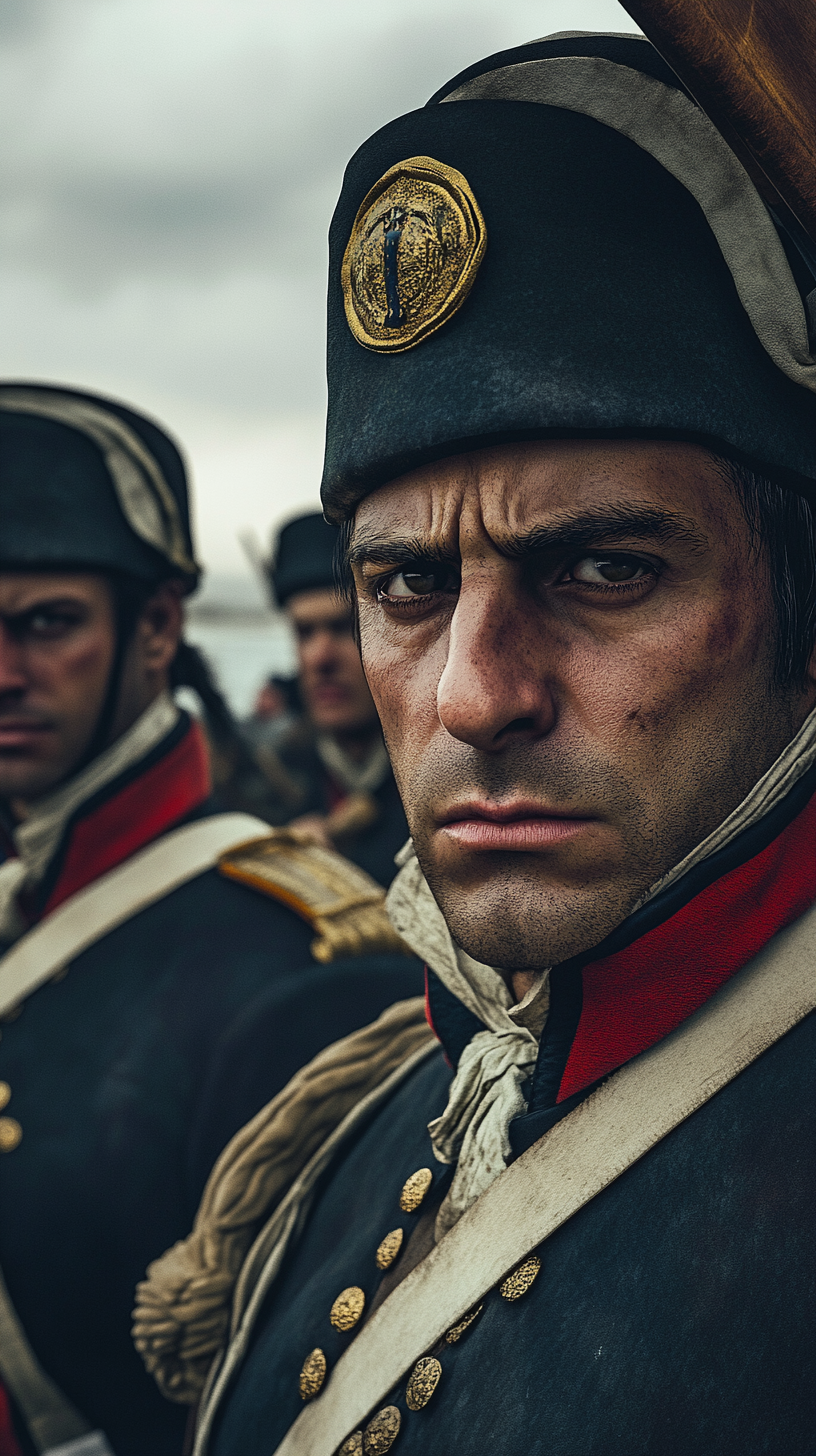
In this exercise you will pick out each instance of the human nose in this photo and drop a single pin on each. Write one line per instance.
(13, 679)
(321, 652)
(495, 688)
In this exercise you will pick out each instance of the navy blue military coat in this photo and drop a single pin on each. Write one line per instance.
(128, 1076)
(673, 1315)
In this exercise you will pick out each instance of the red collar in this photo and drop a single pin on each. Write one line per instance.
(634, 998)
(139, 812)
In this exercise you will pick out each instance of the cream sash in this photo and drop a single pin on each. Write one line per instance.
(115, 897)
(549, 1183)
(56, 1427)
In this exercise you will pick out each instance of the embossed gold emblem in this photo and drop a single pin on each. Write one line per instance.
(381, 1432)
(5, 1095)
(347, 1308)
(389, 1248)
(522, 1279)
(353, 1445)
(464, 1325)
(11, 1134)
(414, 1190)
(312, 1375)
(424, 1379)
(414, 251)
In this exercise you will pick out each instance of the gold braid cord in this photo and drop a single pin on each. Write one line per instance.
(183, 1306)
(340, 901)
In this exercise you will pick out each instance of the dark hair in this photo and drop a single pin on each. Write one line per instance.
(189, 668)
(782, 524)
(783, 528)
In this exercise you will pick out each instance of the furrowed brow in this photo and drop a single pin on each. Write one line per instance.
(396, 551)
(574, 530)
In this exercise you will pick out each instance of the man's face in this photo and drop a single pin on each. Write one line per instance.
(332, 683)
(57, 646)
(570, 645)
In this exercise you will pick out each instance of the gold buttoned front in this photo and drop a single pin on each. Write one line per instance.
(5, 1094)
(353, 1445)
(414, 1190)
(425, 1377)
(11, 1134)
(522, 1279)
(459, 1330)
(312, 1375)
(389, 1248)
(381, 1432)
(347, 1308)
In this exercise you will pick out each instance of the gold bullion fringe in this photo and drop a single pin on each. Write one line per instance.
(343, 904)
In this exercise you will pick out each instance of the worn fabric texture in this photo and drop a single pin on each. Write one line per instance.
(183, 1307)
(128, 1076)
(490, 1089)
(673, 1316)
(88, 481)
(604, 305)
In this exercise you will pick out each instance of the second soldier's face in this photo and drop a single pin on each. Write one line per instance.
(57, 645)
(571, 648)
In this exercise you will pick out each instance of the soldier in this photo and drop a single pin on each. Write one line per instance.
(337, 782)
(152, 999)
(571, 445)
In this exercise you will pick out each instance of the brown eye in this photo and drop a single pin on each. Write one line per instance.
(612, 568)
(415, 583)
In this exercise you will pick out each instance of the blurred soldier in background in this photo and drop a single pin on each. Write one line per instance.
(331, 771)
(154, 990)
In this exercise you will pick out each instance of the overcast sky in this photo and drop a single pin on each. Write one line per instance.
(168, 173)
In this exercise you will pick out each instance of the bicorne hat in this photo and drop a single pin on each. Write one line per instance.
(303, 557)
(561, 243)
(87, 483)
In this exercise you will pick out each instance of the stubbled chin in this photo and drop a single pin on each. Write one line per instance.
(523, 924)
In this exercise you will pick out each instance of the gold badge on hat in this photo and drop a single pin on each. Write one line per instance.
(414, 251)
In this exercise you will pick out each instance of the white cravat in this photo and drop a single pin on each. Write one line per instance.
(486, 1093)
(38, 836)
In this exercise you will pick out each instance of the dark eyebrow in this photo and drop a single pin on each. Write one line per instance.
(389, 550)
(45, 604)
(567, 532)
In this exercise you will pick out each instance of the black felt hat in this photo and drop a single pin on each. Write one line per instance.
(303, 557)
(87, 483)
(615, 273)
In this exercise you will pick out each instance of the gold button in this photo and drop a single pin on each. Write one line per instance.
(353, 1445)
(464, 1324)
(423, 1382)
(5, 1094)
(521, 1279)
(312, 1375)
(381, 1432)
(415, 1189)
(347, 1308)
(11, 1134)
(389, 1248)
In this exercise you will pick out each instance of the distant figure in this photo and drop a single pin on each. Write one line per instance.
(276, 707)
(337, 783)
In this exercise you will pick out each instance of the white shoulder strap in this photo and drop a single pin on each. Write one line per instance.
(143, 879)
(56, 1427)
(549, 1183)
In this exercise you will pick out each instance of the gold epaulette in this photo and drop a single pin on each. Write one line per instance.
(341, 902)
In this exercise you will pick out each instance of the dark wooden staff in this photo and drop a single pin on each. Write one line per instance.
(751, 66)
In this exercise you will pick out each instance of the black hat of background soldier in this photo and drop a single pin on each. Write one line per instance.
(66, 459)
(303, 558)
(604, 305)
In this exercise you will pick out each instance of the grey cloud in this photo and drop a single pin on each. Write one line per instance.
(169, 171)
